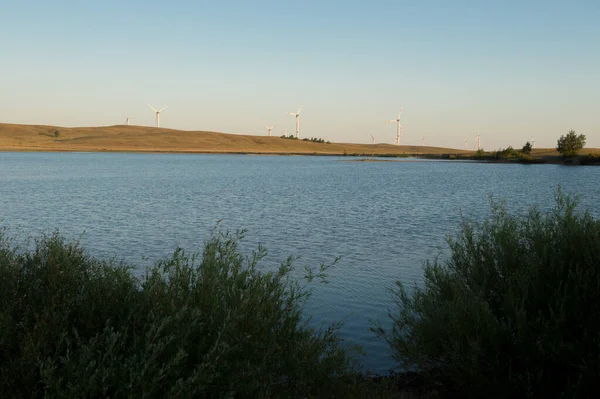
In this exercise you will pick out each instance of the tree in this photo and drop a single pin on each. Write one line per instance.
(527, 148)
(570, 144)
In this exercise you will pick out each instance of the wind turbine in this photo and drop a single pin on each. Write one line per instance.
(423, 142)
(372, 139)
(532, 143)
(466, 143)
(157, 114)
(477, 140)
(297, 115)
(397, 120)
(269, 128)
(128, 119)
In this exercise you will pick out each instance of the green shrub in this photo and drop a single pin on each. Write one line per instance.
(56, 133)
(192, 326)
(507, 153)
(513, 312)
(290, 137)
(527, 148)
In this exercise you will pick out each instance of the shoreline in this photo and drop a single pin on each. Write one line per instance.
(381, 157)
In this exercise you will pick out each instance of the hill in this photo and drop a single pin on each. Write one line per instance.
(15, 137)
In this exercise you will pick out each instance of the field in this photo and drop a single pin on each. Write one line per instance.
(147, 139)
(14, 137)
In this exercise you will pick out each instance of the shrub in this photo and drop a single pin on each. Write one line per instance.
(570, 144)
(513, 312)
(56, 133)
(192, 326)
(290, 137)
(507, 153)
(527, 148)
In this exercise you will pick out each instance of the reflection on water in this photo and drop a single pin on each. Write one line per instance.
(383, 218)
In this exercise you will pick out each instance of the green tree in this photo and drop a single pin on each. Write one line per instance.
(570, 144)
(527, 148)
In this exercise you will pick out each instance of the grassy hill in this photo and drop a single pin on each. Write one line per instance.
(148, 139)
(14, 137)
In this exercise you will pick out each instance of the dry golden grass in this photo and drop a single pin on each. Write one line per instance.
(148, 139)
(15, 137)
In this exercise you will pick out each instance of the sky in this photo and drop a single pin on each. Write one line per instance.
(515, 70)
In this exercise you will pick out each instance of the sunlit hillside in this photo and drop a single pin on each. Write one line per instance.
(15, 137)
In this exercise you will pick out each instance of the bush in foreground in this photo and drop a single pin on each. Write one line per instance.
(513, 312)
(202, 326)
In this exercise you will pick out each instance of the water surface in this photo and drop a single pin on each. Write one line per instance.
(383, 218)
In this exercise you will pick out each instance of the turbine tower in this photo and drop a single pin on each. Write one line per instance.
(297, 115)
(397, 120)
(423, 142)
(269, 128)
(157, 114)
(372, 139)
(466, 143)
(532, 143)
(128, 119)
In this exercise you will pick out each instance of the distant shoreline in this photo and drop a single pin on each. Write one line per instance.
(149, 140)
(544, 160)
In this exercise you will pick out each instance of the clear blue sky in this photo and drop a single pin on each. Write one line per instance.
(515, 69)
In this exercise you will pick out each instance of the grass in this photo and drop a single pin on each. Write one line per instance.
(14, 137)
(147, 139)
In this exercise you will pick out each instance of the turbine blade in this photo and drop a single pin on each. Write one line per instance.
(153, 109)
(291, 113)
(163, 108)
(299, 109)
(393, 120)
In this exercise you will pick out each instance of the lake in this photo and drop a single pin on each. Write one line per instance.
(383, 218)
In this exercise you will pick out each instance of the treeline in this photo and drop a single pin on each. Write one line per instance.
(312, 139)
(514, 311)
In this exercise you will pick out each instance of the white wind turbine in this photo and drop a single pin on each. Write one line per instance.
(478, 140)
(398, 121)
(270, 129)
(372, 139)
(466, 143)
(128, 119)
(532, 143)
(297, 115)
(423, 142)
(157, 114)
